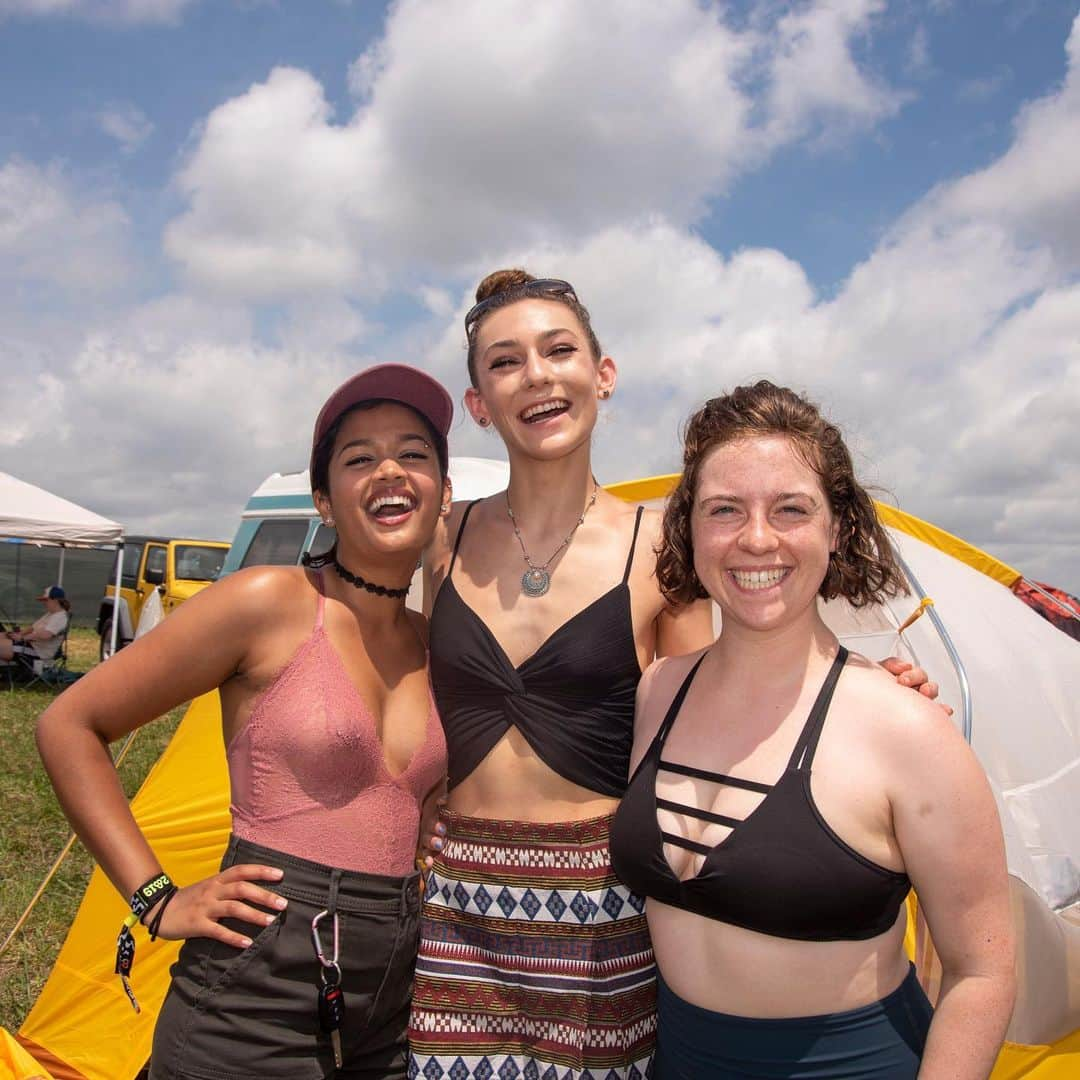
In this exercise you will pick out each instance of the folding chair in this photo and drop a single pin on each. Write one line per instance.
(52, 672)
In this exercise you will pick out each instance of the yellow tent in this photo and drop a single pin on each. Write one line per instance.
(83, 1027)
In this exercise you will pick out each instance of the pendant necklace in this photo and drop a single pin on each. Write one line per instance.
(537, 579)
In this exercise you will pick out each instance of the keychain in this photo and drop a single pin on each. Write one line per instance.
(331, 997)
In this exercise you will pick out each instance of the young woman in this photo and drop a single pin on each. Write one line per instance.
(534, 957)
(786, 794)
(333, 742)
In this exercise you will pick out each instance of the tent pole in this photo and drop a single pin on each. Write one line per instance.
(60, 572)
(950, 648)
(116, 598)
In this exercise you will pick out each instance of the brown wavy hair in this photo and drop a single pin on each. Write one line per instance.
(862, 569)
(509, 286)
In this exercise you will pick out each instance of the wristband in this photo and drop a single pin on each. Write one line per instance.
(159, 887)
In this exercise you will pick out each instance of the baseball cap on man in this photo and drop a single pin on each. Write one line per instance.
(53, 592)
(390, 382)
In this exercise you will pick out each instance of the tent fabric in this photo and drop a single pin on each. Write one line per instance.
(1055, 605)
(17, 1064)
(1025, 683)
(32, 513)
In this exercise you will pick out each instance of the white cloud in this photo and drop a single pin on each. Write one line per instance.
(127, 124)
(53, 234)
(118, 11)
(484, 125)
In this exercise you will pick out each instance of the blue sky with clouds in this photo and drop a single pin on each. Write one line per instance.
(212, 212)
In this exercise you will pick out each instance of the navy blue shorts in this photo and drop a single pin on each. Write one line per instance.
(881, 1041)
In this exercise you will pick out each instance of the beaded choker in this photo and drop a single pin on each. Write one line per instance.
(358, 582)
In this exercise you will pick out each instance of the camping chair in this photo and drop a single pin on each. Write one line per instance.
(53, 672)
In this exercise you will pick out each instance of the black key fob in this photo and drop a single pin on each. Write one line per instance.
(331, 1008)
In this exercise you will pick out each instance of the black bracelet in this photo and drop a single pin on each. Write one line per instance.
(159, 887)
(155, 922)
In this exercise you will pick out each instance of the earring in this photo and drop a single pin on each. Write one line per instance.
(444, 507)
(483, 421)
(328, 522)
(605, 394)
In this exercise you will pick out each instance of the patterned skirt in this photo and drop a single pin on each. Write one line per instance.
(535, 961)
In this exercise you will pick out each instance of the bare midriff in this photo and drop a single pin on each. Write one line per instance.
(513, 784)
(770, 977)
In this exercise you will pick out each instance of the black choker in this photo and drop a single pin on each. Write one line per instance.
(379, 590)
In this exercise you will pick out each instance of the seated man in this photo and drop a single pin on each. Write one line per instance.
(42, 640)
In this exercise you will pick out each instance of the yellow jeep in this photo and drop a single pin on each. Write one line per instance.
(177, 569)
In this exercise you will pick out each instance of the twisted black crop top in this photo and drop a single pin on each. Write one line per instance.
(780, 871)
(572, 700)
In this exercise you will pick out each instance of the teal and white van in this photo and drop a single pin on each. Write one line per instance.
(279, 522)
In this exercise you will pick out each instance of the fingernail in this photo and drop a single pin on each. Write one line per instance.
(278, 874)
(281, 903)
(440, 829)
(245, 942)
(268, 919)
(437, 844)
(429, 861)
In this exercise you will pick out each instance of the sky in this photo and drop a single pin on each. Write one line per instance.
(214, 211)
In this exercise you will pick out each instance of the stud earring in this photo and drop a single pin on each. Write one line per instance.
(444, 507)
(605, 394)
(483, 421)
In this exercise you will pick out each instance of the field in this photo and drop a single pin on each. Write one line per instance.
(33, 831)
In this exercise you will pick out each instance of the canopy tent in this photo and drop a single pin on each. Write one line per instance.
(1015, 685)
(32, 513)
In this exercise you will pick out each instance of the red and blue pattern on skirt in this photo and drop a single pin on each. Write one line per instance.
(535, 961)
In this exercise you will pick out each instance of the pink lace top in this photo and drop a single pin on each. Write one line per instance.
(308, 775)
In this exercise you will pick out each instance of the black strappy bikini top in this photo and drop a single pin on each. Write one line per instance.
(781, 871)
(572, 700)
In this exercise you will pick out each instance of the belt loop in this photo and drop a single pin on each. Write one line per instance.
(335, 881)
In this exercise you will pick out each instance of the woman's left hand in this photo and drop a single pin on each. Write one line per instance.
(916, 678)
(432, 829)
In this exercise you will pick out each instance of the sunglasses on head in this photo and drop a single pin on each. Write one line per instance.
(539, 289)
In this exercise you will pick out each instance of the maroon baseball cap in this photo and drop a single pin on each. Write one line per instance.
(390, 382)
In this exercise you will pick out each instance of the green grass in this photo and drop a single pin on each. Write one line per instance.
(33, 831)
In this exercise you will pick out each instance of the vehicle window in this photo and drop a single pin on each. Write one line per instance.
(155, 563)
(323, 540)
(277, 542)
(195, 562)
(130, 568)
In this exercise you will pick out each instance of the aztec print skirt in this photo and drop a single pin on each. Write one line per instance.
(535, 961)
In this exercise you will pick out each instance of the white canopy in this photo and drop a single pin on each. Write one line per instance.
(31, 513)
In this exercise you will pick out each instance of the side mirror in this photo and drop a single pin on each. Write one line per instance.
(154, 577)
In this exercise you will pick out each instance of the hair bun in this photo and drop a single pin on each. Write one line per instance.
(501, 280)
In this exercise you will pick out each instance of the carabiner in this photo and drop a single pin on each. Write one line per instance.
(333, 961)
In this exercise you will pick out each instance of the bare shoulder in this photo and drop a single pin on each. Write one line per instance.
(658, 687)
(260, 593)
(901, 722)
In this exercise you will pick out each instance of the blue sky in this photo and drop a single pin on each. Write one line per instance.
(210, 212)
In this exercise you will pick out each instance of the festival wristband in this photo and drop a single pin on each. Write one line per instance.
(159, 887)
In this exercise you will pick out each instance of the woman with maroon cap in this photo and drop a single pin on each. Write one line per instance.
(299, 953)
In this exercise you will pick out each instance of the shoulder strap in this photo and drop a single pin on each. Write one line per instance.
(460, 534)
(633, 544)
(677, 703)
(321, 606)
(802, 756)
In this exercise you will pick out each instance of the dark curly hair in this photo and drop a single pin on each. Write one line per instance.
(862, 569)
(503, 287)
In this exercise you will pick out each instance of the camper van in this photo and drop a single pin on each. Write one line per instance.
(279, 522)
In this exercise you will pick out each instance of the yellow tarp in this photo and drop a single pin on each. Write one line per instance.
(83, 1016)
(16, 1063)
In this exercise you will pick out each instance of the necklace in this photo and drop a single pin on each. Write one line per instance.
(537, 580)
(358, 582)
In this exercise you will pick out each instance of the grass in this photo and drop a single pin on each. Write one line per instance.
(33, 831)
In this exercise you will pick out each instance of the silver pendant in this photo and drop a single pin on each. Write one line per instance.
(535, 582)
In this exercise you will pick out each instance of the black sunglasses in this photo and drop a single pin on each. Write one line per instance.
(541, 287)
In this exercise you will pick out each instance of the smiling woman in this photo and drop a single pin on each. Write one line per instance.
(776, 848)
(331, 734)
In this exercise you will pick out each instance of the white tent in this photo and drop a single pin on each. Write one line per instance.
(32, 513)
